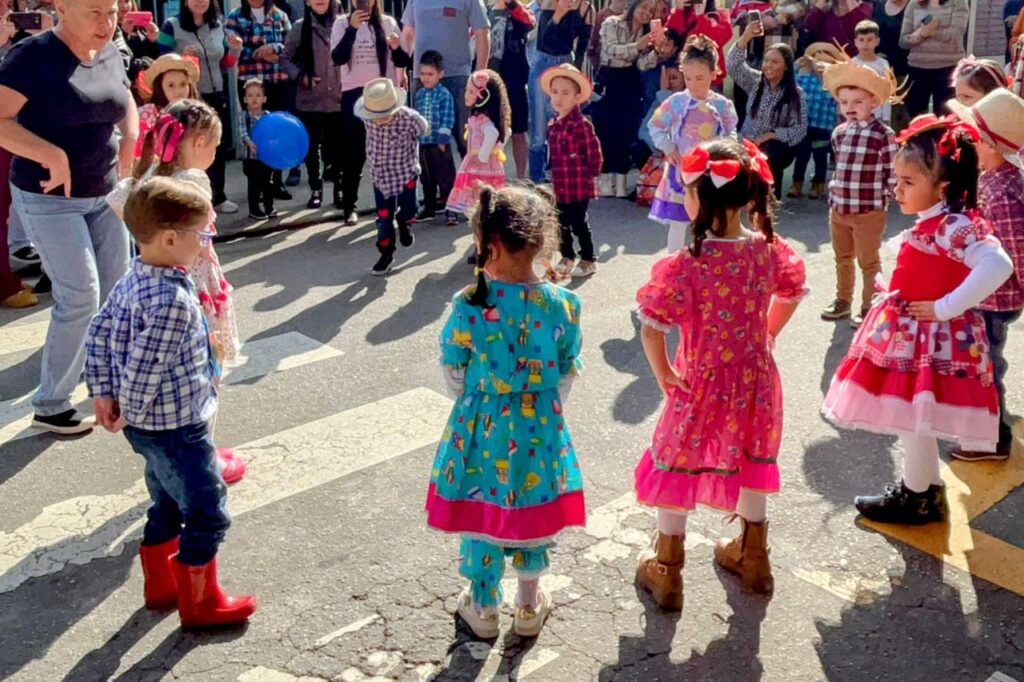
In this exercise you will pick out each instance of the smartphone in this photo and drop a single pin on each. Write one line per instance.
(927, 20)
(754, 16)
(27, 21)
(140, 19)
(360, 5)
(657, 30)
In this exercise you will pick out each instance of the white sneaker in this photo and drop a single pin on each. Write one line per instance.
(586, 268)
(227, 206)
(484, 624)
(528, 620)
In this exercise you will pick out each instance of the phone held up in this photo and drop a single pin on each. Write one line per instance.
(140, 19)
(754, 17)
(27, 21)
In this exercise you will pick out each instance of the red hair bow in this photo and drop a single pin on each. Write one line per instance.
(698, 162)
(759, 161)
(953, 127)
(169, 132)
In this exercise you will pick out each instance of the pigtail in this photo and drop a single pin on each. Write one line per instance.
(483, 219)
(146, 156)
(761, 206)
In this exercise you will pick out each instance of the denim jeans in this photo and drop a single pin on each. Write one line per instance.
(997, 324)
(457, 86)
(16, 237)
(483, 564)
(187, 493)
(400, 208)
(84, 249)
(540, 113)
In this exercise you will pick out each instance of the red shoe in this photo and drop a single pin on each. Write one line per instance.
(159, 589)
(232, 468)
(202, 604)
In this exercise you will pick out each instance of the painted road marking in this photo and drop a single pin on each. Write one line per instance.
(257, 358)
(286, 463)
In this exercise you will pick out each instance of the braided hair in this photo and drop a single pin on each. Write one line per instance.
(520, 218)
(747, 190)
(195, 116)
(700, 48)
(958, 167)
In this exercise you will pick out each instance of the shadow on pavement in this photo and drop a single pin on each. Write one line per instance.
(642, 397)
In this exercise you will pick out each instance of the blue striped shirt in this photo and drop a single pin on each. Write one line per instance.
(438, 107)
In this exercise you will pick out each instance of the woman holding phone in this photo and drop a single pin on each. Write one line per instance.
(933, 32)
(366, 45)
(139, 30)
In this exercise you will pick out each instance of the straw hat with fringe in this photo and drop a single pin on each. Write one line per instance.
(845, 73)
(999, 119)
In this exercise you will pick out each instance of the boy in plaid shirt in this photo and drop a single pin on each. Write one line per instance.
(821, 119)
(863, 180)
(575, 155)
(437, 105)
(150, 372)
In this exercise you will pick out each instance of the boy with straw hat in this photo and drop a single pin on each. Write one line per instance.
(862, 183)
(999, 119)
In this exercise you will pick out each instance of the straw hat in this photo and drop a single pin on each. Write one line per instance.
(171, 62)
(572, 73)
(999, 119)
(825, 52)
(380, 99)
(848, 74)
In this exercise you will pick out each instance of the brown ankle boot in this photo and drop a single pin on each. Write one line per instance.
(796, 190)
(817, 190)
(660, 571)
(746, 556)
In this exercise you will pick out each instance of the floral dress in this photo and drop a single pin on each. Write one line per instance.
(725, 433)
(681, 123)
(506, 471)
(465, 192)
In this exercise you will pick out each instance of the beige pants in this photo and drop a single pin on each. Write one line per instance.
(857, 236)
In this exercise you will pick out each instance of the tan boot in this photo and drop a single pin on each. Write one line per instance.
(817, 191)
(796, 190)
(660, 571)
(746, 556)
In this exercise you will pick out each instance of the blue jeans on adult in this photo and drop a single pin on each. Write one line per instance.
(540, 113)
(84, 249)
(187, 493)
(457, 86)
(997, 324)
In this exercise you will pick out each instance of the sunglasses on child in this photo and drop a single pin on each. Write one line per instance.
(205, 236)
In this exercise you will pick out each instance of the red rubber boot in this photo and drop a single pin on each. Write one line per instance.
(159, 589)
(202, 604)
(232, 469)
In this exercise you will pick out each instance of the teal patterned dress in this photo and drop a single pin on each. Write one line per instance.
(506, 471)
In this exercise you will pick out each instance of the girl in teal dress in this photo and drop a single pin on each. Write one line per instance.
(506, 475)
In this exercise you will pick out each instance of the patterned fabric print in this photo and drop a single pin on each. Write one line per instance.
(272, 31)
(863, 179)
(506, 470)
(246, 122)
(681, 123)
(393, 150)
(649, 178)
(483, 564)
(437, 106)
(619, 46)
(465, 191)
(725, 433)
(821, 106)
(789, 126)
(576, 158)
(1001, 197)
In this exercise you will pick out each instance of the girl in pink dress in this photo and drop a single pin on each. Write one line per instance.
(730, 293)
(489, 124)
(919, 365)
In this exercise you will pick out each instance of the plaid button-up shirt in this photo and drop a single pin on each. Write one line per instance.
(821, 106)
(863, 179)
(575, 157)
(148, 348)
(393, 149)
(1001, 197)
(436, 105)
(272, 31)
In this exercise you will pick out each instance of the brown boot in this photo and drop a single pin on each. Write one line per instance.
(796, 190)
(660, 571)
(746, 556)
(817, 190)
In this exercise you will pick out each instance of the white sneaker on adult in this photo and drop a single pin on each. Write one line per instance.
(226, 206)
(484, 623)
(529, 620)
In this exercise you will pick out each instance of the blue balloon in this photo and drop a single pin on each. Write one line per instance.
(281, 140)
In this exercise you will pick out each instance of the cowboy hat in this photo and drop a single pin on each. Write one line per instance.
(849, 74)
(824, 52)
(380, 99)
(171, 62)
(572, 73)
(999, 119)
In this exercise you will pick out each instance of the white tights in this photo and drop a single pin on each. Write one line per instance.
(751, 506)
(677, 232)
(920, 462)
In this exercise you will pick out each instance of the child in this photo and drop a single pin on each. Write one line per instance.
(488, 127)
(260, 177)
(974, 78)
(999, 120)
(436, 105)
(150, 370)
(506, 475)
(171, 78)
(681, 123)
(731, 293)
(919, 366)
(392, 148)
(646, 157)
(575, 158)
(821, 119)
(861, 184)
(867, 37)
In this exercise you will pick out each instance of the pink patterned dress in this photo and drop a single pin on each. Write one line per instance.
(725, 433)
(472, 171)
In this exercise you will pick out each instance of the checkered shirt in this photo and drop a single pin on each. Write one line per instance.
(148, 348)
(436, 105)
(1001, 196)
(272, 31)
(821, 107)
(863, 179)
(393, 150)
(575, 157)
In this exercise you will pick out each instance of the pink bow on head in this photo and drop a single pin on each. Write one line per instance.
(971, 62)
(168, 132)
(478, 81)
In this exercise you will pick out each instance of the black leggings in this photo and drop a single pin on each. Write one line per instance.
(929, 86)
(323, 128)
(219, 102)
(351, 149)
(780, 156)
(816, 143)
(618, 116)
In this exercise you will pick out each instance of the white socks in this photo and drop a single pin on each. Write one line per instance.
(671, 522)
(676, 235)
(528, 593)
(752, 506)
(920, 462)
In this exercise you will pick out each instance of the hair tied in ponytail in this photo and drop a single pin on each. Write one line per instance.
(169, 134)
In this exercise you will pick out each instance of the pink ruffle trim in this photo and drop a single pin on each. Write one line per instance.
(658, 488)
(523, 525)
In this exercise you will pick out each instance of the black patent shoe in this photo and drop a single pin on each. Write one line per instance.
(281, 193)
(899, 504)
(316, 199)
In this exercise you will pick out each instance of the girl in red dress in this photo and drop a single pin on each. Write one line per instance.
(919, 365)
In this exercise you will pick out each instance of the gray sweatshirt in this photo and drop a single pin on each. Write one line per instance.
(945, 47)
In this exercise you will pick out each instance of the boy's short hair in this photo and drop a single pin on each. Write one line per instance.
(867, 27)
(254, 83)
(432, 58)
(163, 203)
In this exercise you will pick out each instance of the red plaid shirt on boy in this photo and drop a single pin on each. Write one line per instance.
(575, 158)
(1001, 197)
(863, 179)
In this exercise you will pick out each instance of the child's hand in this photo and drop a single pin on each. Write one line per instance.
(394, 41)
(252, 147)
(674, 157)
(671, 380)
(924, 311)
(107, 413)
(234, 42)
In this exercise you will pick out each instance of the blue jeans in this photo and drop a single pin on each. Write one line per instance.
(84, 249)
(540, 113)
(187, 491)
(399, 207)
(483, 564)
(16, 237)
(457, 86)
(997, 324)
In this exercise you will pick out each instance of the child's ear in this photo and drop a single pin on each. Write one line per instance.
(168, 238)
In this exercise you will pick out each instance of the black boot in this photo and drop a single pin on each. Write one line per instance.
(405, 235)
(316, 199)
(383, 264)
(900, 504)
